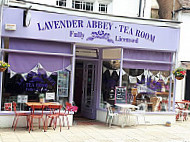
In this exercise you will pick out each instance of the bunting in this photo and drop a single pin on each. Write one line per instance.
(35, 69)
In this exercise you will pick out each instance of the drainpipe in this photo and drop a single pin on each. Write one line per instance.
(140, 4)
(1, 53)
(173, 12)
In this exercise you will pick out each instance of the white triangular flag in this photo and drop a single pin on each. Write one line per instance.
(139, 77)
(157, 75)
(111, 71)
(48, 73)
(12, 73)
(156, 79)
(153, 77)
(35, 69)
(166, 80)
(162, 77)
(145, 72)
(150, 73)
(68, 68)
(24, 75)
(40, 66)
(118, 72)
(104, 69)
(123, 72)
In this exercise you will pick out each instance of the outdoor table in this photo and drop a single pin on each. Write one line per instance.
(126, 112)
(43, 105)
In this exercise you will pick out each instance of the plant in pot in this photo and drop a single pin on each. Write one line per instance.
(179, 73)
(3, 66)
(42, 97)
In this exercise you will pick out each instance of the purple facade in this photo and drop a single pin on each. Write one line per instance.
(54, 33)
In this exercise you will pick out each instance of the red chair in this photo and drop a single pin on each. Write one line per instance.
(69, 107)
(38, 116)
(54, 114)
(17, 115)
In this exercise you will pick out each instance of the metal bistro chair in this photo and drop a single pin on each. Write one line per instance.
(54, 115)
(38, 116)
(110, 114)
(17, 115)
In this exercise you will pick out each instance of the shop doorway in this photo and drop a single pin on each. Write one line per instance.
(85, 88)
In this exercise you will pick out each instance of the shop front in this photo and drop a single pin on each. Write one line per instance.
(82, 59)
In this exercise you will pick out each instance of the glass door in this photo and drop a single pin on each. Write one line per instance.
(89, 90)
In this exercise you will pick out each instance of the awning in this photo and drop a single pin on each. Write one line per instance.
(25, 62)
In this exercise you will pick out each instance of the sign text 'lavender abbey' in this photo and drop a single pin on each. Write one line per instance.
(98, 30)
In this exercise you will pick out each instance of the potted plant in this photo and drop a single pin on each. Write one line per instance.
(179, 73)
(3, 66)
(42, 98)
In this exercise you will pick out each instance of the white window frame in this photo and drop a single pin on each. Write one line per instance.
(83, 5)
(105, 6)
(63, 1)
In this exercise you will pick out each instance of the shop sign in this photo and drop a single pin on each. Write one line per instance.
(69, 28)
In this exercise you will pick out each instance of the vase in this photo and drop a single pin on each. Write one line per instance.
(179, 77)
(2, 69)
(42, 100)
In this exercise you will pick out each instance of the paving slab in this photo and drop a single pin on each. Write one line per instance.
(99, 132)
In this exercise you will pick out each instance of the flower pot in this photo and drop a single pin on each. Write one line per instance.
(2, 69)
(42, 100)
(179, 77)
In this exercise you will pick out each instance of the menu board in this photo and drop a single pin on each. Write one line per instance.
(63, 83)
(120, 95)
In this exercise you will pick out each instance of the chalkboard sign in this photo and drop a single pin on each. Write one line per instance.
(120, 95)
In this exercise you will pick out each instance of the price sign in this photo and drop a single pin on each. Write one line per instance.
(120, 95)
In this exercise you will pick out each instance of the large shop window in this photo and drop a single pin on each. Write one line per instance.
(33, 74)
(145, 74)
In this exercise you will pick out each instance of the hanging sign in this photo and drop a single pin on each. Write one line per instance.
(120, 95)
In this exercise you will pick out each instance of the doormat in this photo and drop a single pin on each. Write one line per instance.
(88, 122)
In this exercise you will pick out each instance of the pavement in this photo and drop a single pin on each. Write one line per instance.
(93, 131)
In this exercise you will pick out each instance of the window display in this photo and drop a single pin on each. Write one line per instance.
(30, 85)
(148, 89)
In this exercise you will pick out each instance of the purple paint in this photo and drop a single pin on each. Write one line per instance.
(57, 27)
(22, 63)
